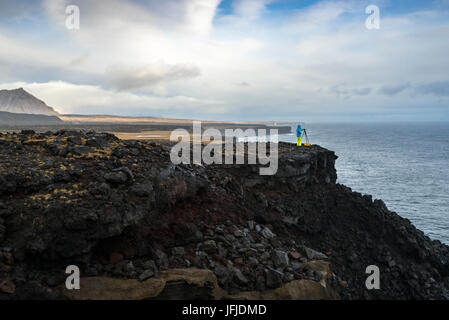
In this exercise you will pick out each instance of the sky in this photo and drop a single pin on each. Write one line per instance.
(280, 60)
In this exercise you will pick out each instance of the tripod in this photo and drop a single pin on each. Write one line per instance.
(307, 144)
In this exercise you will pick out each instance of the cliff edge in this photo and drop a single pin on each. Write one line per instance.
(131, 220)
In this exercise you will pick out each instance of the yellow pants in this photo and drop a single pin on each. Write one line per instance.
(299, 141)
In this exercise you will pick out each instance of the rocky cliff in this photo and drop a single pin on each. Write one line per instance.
(138, 225)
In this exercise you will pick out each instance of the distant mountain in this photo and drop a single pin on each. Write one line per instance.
(8, 119)
(20, 101)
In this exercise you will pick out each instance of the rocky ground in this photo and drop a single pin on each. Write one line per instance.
(121, 211)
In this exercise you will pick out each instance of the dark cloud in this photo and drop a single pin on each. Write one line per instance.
(392, 90)
(145, 76)
(342, 90)
(339, 90)
(362, 91)
(440, 89)
(19, 9)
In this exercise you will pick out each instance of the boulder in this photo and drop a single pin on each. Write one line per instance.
(209, 246)
(267, 233)
(239, 278)
(280, 258)
(273, 278)
(101, 288)
(314, 255)
(146, 274)
(116, 177)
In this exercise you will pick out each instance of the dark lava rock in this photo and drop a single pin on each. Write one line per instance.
(210, 246)
(142, 189)
(239, 278)
(274, 278)
(77, 200)
(97, 141)
(280, 258)
(120, 152)
(146, 275)
(178, 251)
(314, 255)
(126, 171)
(2, 230)
(75, 140)
(161, 259)
(81, 150)
(116, 177)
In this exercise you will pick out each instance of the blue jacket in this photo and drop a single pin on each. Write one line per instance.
(298, 131)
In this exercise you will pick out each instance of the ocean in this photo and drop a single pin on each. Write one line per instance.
(404, 164)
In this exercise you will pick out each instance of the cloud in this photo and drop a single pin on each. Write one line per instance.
(440, 89)
(362, 91)
(79, 60)
(192, 16)
(392, 90)
(209, 57)
(200, 15)
(321, 16)
(16, 51)
(126, 78)
(250, 9)
(86, 99)
(342, 90)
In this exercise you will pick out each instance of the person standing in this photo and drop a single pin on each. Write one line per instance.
(299, 134)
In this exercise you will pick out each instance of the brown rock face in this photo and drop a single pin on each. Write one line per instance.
(298, 289)
(101, 288)
(189, 283)
(194, 283)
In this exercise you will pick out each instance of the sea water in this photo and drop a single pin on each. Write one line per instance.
(404, 164)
